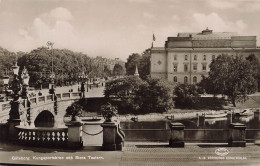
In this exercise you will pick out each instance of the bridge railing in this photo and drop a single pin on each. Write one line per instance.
(44, 137)
(68, 96)
(35, 99)
(5, 106)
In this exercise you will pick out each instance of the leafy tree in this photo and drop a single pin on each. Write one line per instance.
(142, 62)
(155, 96)
(232, 76)
(145, 65)
(186, 96)
(255, 65)
(118, 70)
(138, 96)
(125, 90)
(123, 87)
(131, 63)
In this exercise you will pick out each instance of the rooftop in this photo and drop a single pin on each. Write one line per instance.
(208, 35)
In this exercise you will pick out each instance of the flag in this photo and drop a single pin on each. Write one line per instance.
(153, 37)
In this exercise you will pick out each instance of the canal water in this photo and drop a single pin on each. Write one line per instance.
(196, 130)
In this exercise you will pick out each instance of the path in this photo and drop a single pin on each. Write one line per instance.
(133, 154)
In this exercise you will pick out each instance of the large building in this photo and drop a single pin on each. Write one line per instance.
(187, 57)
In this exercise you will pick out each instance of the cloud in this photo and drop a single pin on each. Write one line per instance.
(214, 21)
(140, 1)
(54, 26)
(176, 18)
(148, 15)
(222, 4)
(239, 5)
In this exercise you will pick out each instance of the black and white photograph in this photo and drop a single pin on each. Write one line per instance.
(129, 82)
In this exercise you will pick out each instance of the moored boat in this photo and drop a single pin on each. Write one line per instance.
(245, 112)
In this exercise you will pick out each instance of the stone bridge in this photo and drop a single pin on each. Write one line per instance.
(43, 111)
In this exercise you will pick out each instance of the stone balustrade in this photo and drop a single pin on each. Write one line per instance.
(35, 100)
(43, 137)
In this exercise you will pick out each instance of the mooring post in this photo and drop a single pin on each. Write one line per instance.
(237, 132)
(177, 135)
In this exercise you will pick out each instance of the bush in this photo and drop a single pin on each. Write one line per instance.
(74, 110)
(108, 111)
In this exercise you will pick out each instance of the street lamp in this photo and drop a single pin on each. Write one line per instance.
(25, 77)
(16, 88)
(52, 76)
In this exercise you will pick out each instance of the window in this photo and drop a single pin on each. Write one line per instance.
(185, 80)
(195, 80)
(204, 67)
(185, 67)
(204, 57)
(175, 67)
(195, 67)
(213, 57)
(175, 79)
(186, 57)
(195, 57)
(175, 57)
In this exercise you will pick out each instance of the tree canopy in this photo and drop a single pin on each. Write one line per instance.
(140, 96)
(232, 76)
(142, 62)
(67, 65)
(186, 96)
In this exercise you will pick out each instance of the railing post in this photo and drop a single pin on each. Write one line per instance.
(74, 135)
(177, 135)
(113, 137)
(257, 117)
(237, 132)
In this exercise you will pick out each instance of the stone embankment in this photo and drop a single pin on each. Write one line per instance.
(164, 116)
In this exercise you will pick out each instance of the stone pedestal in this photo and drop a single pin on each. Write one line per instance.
(237, 132)
(14, 120)
(13, 133)
(177, 135)
(74, 135)
(113, 138)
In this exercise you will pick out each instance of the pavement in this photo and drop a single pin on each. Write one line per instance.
(133, 154)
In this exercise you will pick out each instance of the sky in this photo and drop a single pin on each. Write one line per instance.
(118, 28)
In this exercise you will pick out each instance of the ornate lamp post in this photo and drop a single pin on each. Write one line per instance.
(83, 77)
(25, 77)
(14, 115)
(52, 76)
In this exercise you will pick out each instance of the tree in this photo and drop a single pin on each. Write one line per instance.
(124, 90)
(118, 70)
(142, 62)
(232, 76)
(138, 96)
(131, 63)
(255, 65)
(155, 96)
(186, 96)
(145, 65)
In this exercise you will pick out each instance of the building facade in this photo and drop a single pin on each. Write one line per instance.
(187, 57)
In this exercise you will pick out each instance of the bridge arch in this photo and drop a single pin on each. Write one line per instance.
(44, 119)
